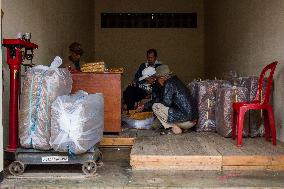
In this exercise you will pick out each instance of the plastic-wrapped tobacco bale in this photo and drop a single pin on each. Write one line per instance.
(41, 86)
(256, 116)
(251, 83)
(193, 88)
(77, 122)
(224, 110)
(207, 103)
(230, 75)
(256, 123)
(223, 83)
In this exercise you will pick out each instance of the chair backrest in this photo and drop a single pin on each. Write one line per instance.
(267, 91)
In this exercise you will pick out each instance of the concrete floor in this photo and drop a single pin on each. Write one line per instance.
(116, 173)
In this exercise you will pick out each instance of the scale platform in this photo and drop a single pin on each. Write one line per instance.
(24, 157)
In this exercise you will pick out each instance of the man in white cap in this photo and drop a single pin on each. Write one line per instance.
(177, 109)
(141, 85)
(143, 90)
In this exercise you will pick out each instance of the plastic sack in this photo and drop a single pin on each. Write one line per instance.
(224, 110)
(207, 103)
(77, 122)
(56, 62)
(41, 86)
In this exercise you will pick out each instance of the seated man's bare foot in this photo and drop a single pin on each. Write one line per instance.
(176, 130)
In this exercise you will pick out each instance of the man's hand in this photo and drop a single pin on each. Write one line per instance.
(74, 71)
(140, 108)
(133, 84)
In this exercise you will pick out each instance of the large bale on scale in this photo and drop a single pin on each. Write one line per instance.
(77, 122)
(41, 86)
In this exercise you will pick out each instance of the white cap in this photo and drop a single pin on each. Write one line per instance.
(147, 72)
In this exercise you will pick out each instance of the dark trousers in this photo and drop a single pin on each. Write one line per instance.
(133, 94)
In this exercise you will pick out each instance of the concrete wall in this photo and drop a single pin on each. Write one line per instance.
(245, 35)
(54, 24)
(241, 35)
(181, 49)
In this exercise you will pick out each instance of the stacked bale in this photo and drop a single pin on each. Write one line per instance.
(224, 110)
(255, 116)
(205, 94)
(193, 88)
(41, 86)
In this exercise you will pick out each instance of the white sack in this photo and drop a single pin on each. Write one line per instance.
(77, 122)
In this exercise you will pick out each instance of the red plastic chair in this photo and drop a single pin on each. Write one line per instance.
(240, 108)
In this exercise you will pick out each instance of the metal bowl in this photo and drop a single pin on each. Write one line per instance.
(138, 124)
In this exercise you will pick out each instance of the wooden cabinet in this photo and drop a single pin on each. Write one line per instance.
(110, 85)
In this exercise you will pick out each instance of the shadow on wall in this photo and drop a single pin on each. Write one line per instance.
(279, 100)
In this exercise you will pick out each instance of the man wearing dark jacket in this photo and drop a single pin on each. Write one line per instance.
(135, 92)
(177, 109)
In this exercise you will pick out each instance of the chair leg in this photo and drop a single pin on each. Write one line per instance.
(240, 125)
(272, 124)
(266, 125)
(235, 117)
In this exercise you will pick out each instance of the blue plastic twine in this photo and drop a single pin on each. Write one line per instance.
(71, 154)
(47, 108)
(30, 101)
(37, 103)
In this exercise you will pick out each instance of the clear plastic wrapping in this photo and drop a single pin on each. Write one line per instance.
(256, 116)
(207, 102)
(256, 123)
(193, 88)
(251, 83)
(230, 75)
(77, 122)
(41, 86)
(224, 110)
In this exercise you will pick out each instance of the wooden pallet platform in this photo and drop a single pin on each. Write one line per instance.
(108, 141)
(205, 151)
(125, 138)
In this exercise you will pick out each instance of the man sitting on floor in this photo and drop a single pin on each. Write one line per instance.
(136, 92)
(177, 109)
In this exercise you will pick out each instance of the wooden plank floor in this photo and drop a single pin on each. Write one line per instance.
(205, 151)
